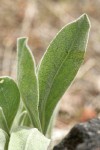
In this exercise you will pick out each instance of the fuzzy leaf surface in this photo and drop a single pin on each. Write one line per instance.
(24, 119)
(27, 81)
(3, 140)
(59, 66)
(9, 98)
(28, 139)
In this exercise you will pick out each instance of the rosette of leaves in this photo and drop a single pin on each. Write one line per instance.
(27, 110)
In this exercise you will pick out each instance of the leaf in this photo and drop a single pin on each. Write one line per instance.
(21, 118)
(59, 66)
(24, 119)
(52, 122)
(9, 98)
(16, 121)
(3, 122)
(27, 121)
(27, 81)
(3, 140)
(28, 139)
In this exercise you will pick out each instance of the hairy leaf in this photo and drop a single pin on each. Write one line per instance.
(3, 140)
(27, 81)
(9, 98)
(28, 139)
(59, 66)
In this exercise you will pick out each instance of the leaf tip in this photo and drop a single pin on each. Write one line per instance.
(21, 41)
(85, 19)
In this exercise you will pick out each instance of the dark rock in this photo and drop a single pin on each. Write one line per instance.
(83, 136)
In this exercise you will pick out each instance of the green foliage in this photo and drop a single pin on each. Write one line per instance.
(3, 140)
(28, 139)
(40, 91)
(9, 98)
(27, 81)
(3, 123)
(59, 66)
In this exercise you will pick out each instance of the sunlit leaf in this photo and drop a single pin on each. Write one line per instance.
(28, 139)
(4, 139)
(59, 66)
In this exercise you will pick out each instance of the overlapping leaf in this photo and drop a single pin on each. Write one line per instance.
(27, 81)
(3, 122)
(9, 98)
(28, 139)
(4, 139)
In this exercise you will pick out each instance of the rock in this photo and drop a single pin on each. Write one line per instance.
(83, 136)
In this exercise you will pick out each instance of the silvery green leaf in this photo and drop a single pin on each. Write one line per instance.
(3, 140)
(28, 139)
(59, 66)
(9, 98)
(27, 81)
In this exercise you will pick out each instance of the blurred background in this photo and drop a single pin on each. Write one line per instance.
(40, 20)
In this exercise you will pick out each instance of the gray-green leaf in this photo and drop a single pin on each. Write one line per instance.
(59, 66)
(4, 139)
(9, 98)
(27, 81)
(28, 139)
